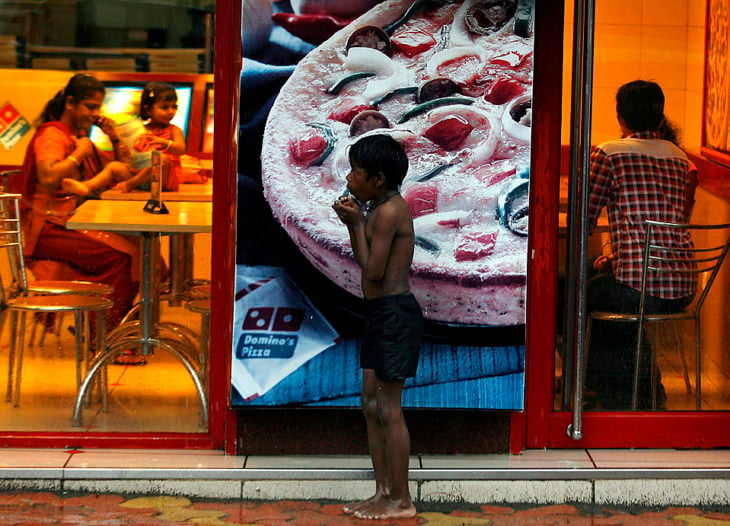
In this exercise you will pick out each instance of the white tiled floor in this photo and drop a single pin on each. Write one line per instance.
(531, 459)
(535, 476)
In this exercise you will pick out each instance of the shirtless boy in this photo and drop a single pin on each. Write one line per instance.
(382, 240)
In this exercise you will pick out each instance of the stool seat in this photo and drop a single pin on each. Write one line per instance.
(69, 287)
(200, 292)
(60, 303)
(198, 306)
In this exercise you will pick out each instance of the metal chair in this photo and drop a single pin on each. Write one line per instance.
(659, 257)
(46, 287)
(20, 298)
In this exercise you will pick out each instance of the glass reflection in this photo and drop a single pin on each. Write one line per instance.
(125, 44)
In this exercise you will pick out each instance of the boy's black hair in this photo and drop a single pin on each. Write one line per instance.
(640, 104)
(381, 154)
(155, 92)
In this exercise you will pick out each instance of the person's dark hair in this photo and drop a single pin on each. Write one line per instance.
(80, 87)
(381, 153)
(669, 132)
(640, 104)
(155, 92)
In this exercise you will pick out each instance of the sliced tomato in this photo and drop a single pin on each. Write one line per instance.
(421, 199)
(449, 132)
(347, 108)
(412, 41)
(503, 89)
(475, 246)
(308, 149)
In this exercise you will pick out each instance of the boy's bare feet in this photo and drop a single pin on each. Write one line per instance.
(72, 186)
(387, 509)
(351, 507)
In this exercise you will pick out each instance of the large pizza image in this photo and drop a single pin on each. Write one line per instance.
(452, 81)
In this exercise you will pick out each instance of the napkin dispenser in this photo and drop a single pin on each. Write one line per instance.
(154, 204)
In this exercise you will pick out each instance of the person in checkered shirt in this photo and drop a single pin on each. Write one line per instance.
(640, 176)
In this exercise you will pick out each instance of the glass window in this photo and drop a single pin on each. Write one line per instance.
(152, 375)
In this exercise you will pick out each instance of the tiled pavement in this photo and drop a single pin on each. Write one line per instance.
(536, 477)
(29, 508)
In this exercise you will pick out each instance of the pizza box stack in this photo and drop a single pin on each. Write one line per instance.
(112, 64)
(175, 60)
(8, 51)
(51, 63)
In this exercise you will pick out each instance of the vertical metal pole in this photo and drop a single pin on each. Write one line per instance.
(208, 58)
(146, 293)
(580, 144)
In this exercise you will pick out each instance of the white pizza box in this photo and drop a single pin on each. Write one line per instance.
(130, 133)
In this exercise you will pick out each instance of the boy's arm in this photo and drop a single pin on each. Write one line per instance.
(373, 258)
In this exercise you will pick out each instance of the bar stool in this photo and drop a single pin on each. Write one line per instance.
(45, 287)
(22, 299)
(200, 292)
(202, 307)
(62, 287)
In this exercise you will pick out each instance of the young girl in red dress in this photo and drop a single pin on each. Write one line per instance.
(158, 106)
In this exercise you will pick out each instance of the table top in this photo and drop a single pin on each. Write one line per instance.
(186, 192)
(129, 216)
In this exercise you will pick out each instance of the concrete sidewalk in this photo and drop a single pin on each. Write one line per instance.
(616, 477)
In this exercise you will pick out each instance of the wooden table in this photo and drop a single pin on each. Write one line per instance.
(186, 192)
(128, 217)
(181, 246)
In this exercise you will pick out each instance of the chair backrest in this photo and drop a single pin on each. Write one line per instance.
(5, 178)
(700, 260)
(11, 240)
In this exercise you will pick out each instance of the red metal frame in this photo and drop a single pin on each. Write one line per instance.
(228, 60)
(540, 426)
(226, 77)
(543, 240)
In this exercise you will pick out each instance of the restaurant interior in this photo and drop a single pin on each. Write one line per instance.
(124, 44)
(649, 39)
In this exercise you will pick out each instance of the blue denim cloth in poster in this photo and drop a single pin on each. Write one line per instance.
(260, 239)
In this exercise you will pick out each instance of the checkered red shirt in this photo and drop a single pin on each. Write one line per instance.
(638, 178)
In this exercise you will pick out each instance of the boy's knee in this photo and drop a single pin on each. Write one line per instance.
(387, 412)
(369, 405)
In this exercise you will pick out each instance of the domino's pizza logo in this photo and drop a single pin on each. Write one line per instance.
(269, 332)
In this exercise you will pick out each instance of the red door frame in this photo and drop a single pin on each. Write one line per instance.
(226, 78)
(540, 426)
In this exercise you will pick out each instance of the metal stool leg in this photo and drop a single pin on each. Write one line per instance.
(20, 342)
(11, 356)
(698, 365)
(678, 338)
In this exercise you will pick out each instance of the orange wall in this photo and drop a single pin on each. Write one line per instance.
(27, 90)
(660, 40)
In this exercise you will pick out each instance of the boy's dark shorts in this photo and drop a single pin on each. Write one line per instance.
(392, 338)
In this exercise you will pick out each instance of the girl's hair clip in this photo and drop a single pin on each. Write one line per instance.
(152, 94)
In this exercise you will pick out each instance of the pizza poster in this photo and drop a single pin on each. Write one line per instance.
(451, 82)
(13, 126)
